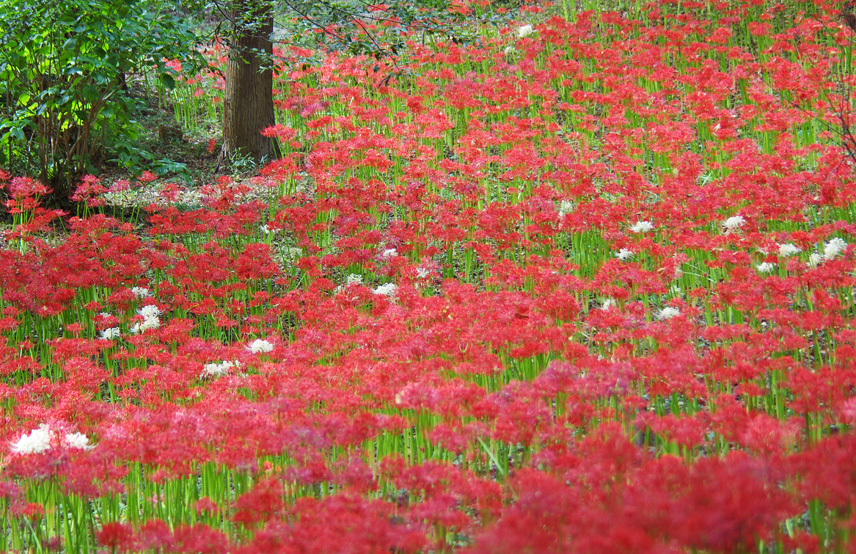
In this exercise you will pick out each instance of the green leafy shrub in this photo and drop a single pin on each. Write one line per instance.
(64, 68)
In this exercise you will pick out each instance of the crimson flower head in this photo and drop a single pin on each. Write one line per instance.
(280, 131)
(25, 193)
(206, 506)
(148, 177)
(33, 511)
(88, 191)
(116, 536)
(23, 187)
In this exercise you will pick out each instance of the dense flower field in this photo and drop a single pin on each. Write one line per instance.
(585, 285)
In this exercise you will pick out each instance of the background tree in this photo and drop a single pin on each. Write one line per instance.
(248, 105)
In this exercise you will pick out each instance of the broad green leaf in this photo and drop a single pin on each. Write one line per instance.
(167, 80)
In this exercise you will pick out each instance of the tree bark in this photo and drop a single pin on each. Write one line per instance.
(248, 105)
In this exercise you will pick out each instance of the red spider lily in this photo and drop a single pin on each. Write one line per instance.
(116, 536)
(259, 505)
(88, 190)
(523, 388)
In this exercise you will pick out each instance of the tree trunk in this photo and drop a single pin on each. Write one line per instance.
(248, 106)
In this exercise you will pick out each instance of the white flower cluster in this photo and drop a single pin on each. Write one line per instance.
(386, 290)
(151, 320)
(217, 370)
(765, 267)
(624, 254)
(111, 333)
(642, 227)
(389, 253)
(78, 440)
(150, 311)
(607, 304)
(814, 259)
(833, 248)
(788, 249)
(667, 313)
(36, 442)
(260, 346)
(733, 224)
(41, 439)
(565, 207)
(141, 292)
(525, 30)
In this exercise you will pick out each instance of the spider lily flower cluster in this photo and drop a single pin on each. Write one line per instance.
(591, 294)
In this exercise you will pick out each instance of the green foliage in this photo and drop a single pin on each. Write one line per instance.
(64, 69)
